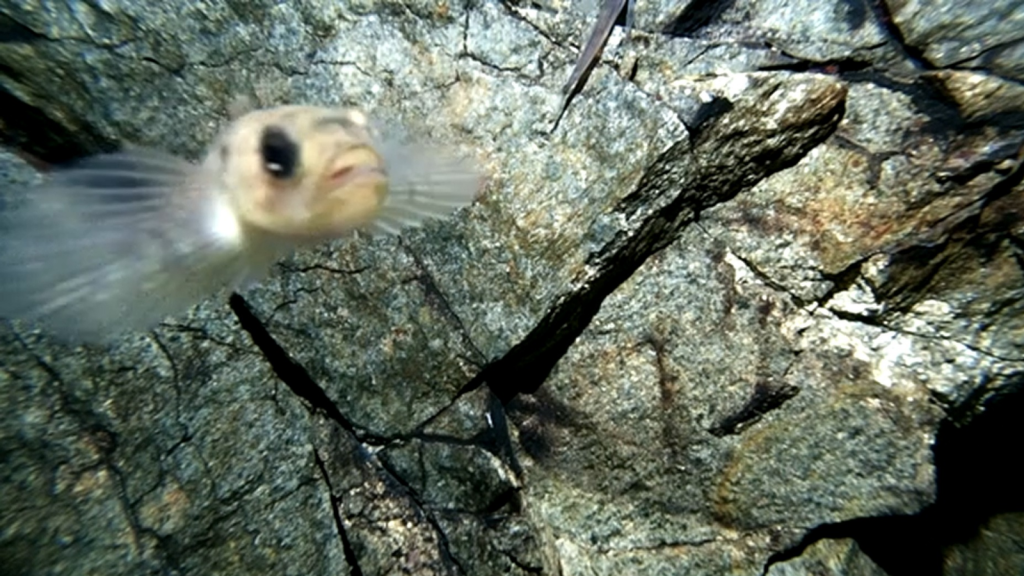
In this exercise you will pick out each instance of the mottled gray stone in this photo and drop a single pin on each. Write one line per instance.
(951, 33)
(829, 558)
(901, 199)
(982, 98)
(996, 548)
(675, 434)
(820, 32)
(790, 312)
(174, 451)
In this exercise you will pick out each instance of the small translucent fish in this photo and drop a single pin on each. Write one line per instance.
(119, 242)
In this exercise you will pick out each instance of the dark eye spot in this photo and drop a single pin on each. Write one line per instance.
(279, 152)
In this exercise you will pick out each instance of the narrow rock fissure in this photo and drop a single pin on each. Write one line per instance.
(437, 300)
(768, 280)
(884, 17)
(837, 67)
(529, 569)
(695, 16)
(105, 440)
(525, 367)
(346, 545)
(442, 537)
(31, 131)
(495, 439)
(842, 280)
(293, 374)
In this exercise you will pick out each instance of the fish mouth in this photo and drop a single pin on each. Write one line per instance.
(352, 191)
(348, 176)
(356, 166)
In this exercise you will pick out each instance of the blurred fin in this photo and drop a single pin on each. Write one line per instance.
(114, 243)
(423, 184)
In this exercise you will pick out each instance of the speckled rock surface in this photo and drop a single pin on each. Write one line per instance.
(996, 548)
(972, 33)
(722, 298)
(829, 558)
(714, 415)
(173, 453)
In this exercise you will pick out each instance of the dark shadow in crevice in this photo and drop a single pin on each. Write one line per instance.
(883, 15)
(978, 476)
(351, 558)
(29, 130)
(834, 67)
(695, 16)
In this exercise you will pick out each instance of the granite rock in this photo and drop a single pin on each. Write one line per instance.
(724, 296)
(829, 558)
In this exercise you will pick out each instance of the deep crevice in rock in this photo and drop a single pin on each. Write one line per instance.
(293, 374)
(495, 439)
(442, 537)
(819, 67)
(346, 545)
(695, 16)
(12, 31)
(884, 18)
(525, 367)
(842, 280)
(865, 319)
(728, 156)
(978, 476)
(31, 131)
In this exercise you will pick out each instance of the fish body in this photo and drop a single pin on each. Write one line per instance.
(119, 242)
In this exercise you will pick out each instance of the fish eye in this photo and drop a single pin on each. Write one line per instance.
(280, 153)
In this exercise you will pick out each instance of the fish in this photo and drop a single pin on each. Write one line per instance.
(119, 242)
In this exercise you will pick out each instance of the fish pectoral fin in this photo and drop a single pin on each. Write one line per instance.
(424, 186)
(112, 243)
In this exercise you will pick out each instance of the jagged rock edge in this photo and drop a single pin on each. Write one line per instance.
(527, 364)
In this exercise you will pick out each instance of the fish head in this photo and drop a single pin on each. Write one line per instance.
(301, 171)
